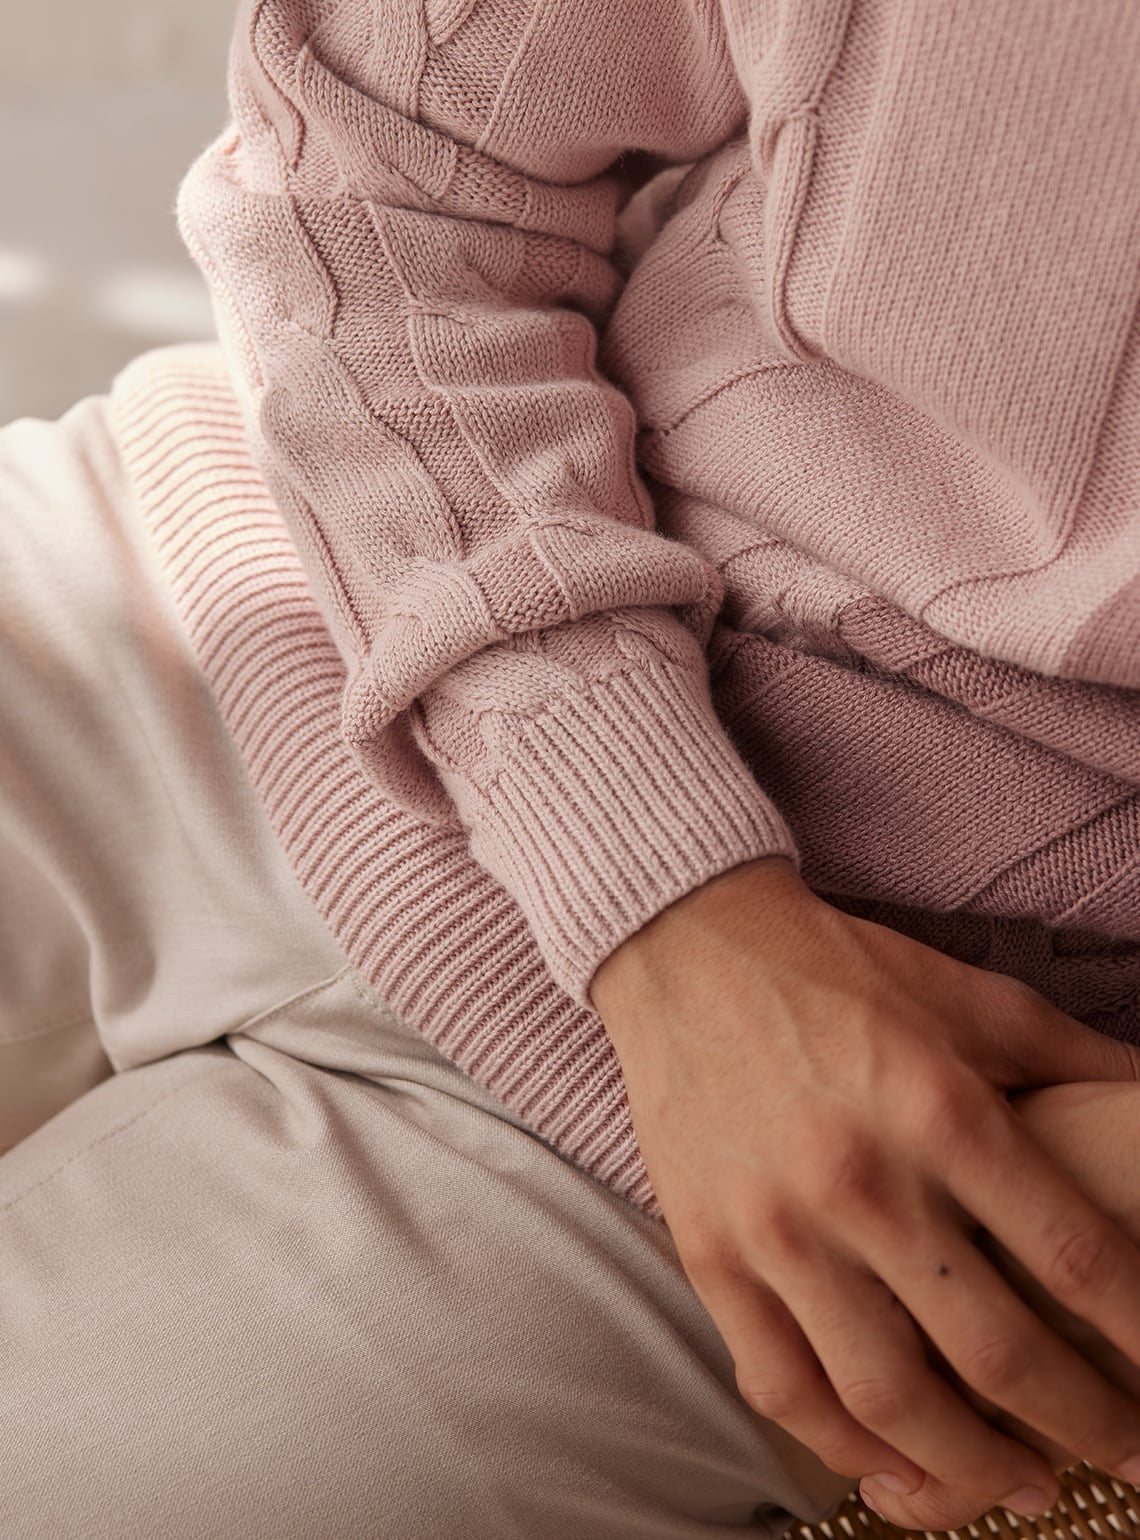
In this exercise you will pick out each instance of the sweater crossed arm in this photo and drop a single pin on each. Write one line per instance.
(409, 233)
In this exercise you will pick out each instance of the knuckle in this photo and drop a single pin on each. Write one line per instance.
(780, 1229)
(703, 1261)
(943, 1109)
(845, 1171)
(877, 1402)
(1083, 1263)
(1014, 993)
(779, 1399)
(996, 1366)
(703, 1249)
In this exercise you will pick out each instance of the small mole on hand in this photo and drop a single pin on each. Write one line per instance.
(943, 1270)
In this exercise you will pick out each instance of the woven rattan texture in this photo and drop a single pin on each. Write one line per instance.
(1092, 1506)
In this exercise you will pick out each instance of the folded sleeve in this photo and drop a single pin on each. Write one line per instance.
(408, 229)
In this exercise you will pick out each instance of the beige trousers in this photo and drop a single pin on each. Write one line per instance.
(269, 1264)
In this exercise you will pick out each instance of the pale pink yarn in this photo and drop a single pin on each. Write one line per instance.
(792, 505)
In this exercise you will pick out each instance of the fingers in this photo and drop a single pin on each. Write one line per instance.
(1000, 1348)
(1003, 1350)
(874, 1359)
(1029, 1042)
(934, 1507)
(1082, 1258)
(1109, 1360)
(779, 1376)
(1059, 1456)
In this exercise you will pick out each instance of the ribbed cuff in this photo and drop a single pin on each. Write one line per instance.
(614, 803)
(441, 942)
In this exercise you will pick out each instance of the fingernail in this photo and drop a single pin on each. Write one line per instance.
(1028, 1501)
(870, 1501)
(1130, 1469)
(893, 1483)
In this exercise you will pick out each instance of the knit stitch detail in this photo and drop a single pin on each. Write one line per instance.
(426, 925)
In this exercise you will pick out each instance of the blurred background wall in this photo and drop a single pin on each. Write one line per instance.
(103, 105)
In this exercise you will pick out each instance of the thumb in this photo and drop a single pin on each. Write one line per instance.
(1035, 1044)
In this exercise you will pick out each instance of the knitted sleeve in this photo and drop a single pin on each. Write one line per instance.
(409, 233)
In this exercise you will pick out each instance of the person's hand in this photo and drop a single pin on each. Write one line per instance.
(819, 1103)
(1092, 1130)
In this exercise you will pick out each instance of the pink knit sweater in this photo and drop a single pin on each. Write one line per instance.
(652, 436)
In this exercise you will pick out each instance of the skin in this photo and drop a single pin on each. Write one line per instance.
(1092, 1129)
(822, 1107)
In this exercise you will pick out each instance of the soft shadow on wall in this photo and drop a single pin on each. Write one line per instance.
(103, 106)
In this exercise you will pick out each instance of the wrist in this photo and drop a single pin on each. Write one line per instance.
(741, 892)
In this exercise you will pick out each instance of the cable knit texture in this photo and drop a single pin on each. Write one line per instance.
(684, 433)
